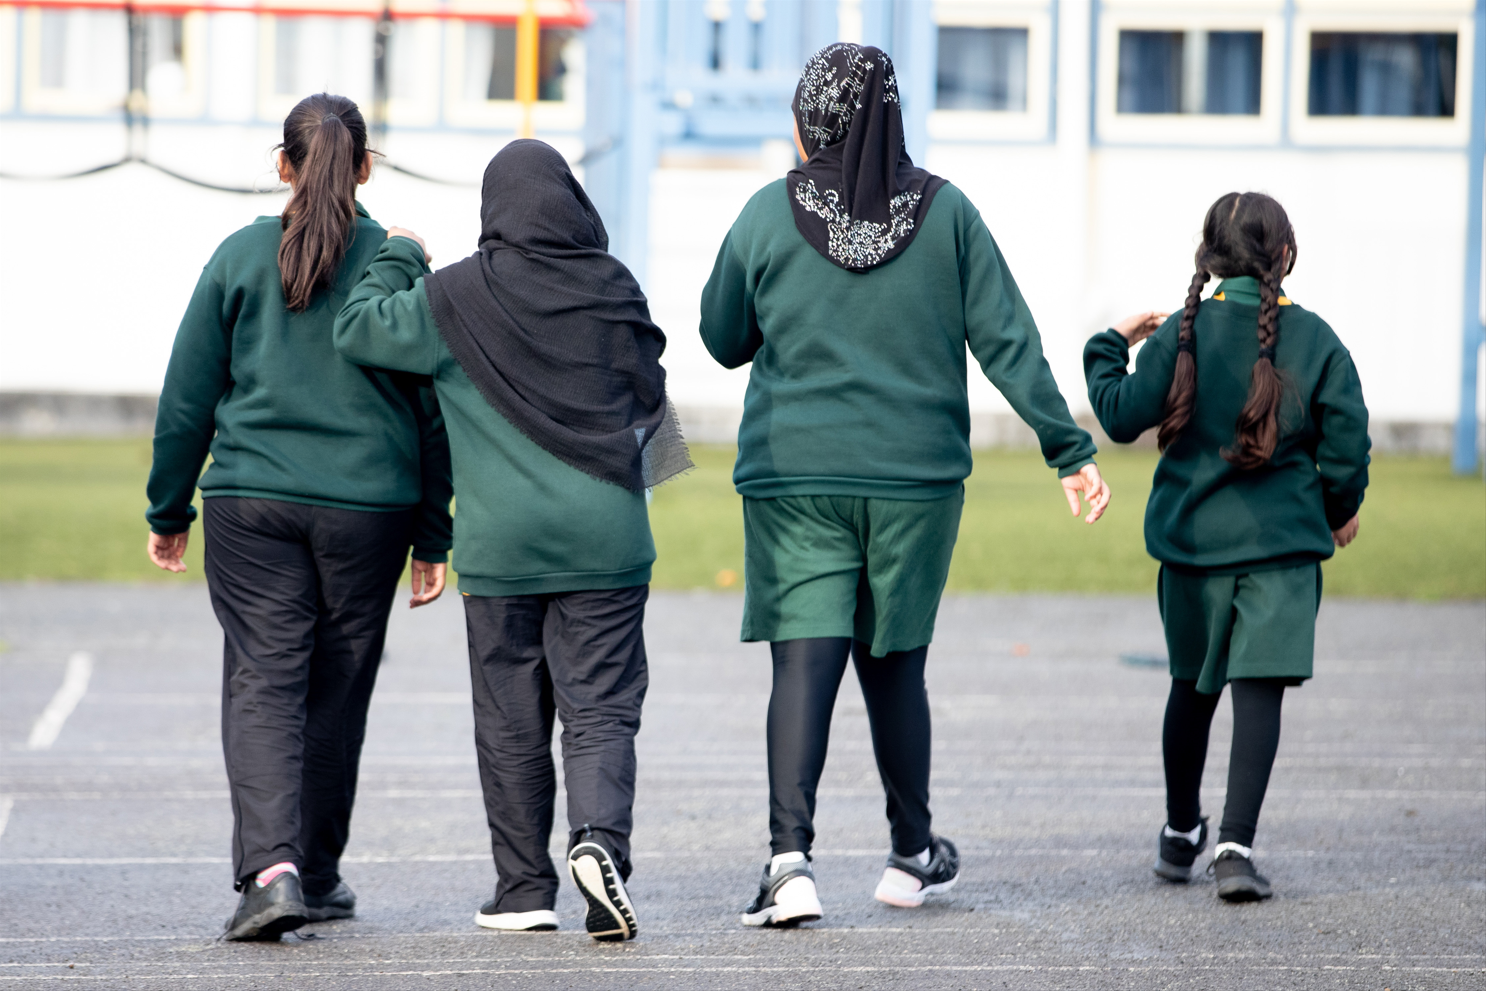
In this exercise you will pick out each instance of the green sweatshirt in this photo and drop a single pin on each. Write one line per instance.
(858, 380)
(283, 416)
(527, 523)
(1204, 515)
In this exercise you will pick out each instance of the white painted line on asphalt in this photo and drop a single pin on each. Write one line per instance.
(74, 686)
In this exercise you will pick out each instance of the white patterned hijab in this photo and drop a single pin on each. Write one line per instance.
(858, 198)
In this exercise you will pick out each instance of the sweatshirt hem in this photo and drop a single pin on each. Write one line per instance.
(305, 500)
(865, 488)
(560, 581)
(1283, 561)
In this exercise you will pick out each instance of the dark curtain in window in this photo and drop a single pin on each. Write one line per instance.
(1150, 72)
(1382, 75)
(502, 65)
(982, 69)
(1234, 61)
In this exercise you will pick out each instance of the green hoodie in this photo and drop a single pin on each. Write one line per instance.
(1204, 515)
(283, 416)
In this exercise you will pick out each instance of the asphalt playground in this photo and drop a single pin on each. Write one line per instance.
(114, 821)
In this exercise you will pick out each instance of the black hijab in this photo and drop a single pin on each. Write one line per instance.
(858, 199)
(554, 331)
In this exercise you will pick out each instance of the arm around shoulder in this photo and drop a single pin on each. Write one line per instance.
(386, 322)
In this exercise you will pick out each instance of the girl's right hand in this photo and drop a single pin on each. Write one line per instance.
(166, 550)
(404, 232)
(1142, 325)
(1347, 533)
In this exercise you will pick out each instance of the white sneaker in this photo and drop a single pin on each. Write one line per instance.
(542, 920)
(785, 899)
(906, 883)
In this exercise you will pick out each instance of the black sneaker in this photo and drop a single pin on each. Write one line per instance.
(1176, 854)
(339, 903)
(611, 917)
(267, 913)
(1237, 879)
(785, 899)
(906, 882)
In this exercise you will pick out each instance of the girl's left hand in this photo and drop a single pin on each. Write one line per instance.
(1137, 328)
(393, 232)
(1095, 491)
(428, 582)
(1347, 533)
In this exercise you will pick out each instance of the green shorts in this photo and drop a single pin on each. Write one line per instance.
(1258, 625)
(847, 566)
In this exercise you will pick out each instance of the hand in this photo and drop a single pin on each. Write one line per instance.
(428, 582)
(166, 550)
(1347, 533)
(1142, 325)
(1095, 490)
(404, 232)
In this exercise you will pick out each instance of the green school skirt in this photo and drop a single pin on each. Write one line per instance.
(847, 566)
(1258, 625)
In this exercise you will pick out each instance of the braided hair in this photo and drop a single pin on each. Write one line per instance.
(1242, 234)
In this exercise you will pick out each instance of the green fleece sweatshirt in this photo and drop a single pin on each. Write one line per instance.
(527, 523)
(1204, 515)
(858, 380)
(283, 416)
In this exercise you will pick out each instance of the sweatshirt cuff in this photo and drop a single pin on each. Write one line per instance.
(1118, 339)
(1074, 468)
(430, 557)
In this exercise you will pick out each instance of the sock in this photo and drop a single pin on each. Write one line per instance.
(922, 857)
(781, 859)
(1191, 837)
(1246, 852)
(266, 876)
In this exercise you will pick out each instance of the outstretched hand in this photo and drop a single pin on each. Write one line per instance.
(1346, 533)
(1137, 328)
(428, 582)
(1092, 486)
(404, 232)
(167, 549)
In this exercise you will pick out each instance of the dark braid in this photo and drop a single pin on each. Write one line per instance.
(1242, 234)
(1183, 395)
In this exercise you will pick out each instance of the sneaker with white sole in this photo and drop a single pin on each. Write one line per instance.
(537, 921)
(1175, 853)
(906, 883)
(785, 898)
(611, 917)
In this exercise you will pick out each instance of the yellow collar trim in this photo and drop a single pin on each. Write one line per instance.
(1221, 297)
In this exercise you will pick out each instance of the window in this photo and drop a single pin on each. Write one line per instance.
(490, 62)
(1358, 74)
(982, 69)
(552, 66)
(164, 40)
(84, 52)
(1191, 72)
(316, 55)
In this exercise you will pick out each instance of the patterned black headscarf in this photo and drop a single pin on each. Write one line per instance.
(858, 199)
(554, 331)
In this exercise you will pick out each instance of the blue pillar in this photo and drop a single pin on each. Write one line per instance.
(643, 56)
(1464, 460)
(916, 56)
(604, 113)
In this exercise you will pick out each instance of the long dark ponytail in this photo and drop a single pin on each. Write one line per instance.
(325, 143)
(1242, 234)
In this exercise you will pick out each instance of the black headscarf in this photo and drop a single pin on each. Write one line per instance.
(554, 331)
(858, 199)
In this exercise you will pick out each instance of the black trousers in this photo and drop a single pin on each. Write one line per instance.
(807, 675)
(303, 594)
(580, 656)
(1256, 739)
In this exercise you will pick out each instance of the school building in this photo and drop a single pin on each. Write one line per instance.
(1091, 134)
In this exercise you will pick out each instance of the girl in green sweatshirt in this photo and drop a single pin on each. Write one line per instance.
(1263, 434)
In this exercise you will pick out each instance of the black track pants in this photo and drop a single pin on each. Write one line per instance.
(303, 594)
(1256, 739)
(807, 675)
(579, 656)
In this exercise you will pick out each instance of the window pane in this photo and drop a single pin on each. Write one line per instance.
(982, 69)
(286, 56)
(165, 75)
(1234, 61)
(402, 61)
(85, 51)
(490, 62)
(53, 48)
(1356, 74)
(1150, 77)
(552, 70)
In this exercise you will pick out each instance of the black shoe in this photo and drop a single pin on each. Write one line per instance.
(906, 882)
(266, 913)
(780, 908)
(340, 903)
(611, 917)
(1238, 881)
(1176, 854)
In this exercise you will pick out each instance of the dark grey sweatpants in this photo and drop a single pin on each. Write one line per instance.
(580, 656)
(303, 594)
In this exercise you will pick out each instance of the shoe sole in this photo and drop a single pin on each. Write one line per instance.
(269, 924)
(785, 916)
(1243, 889)
(328, 912)
(611, 918)
(904, 899)
(1173, 872)
(546, 924)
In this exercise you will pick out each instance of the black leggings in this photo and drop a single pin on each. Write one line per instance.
(1256, 737)
(807, 674)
